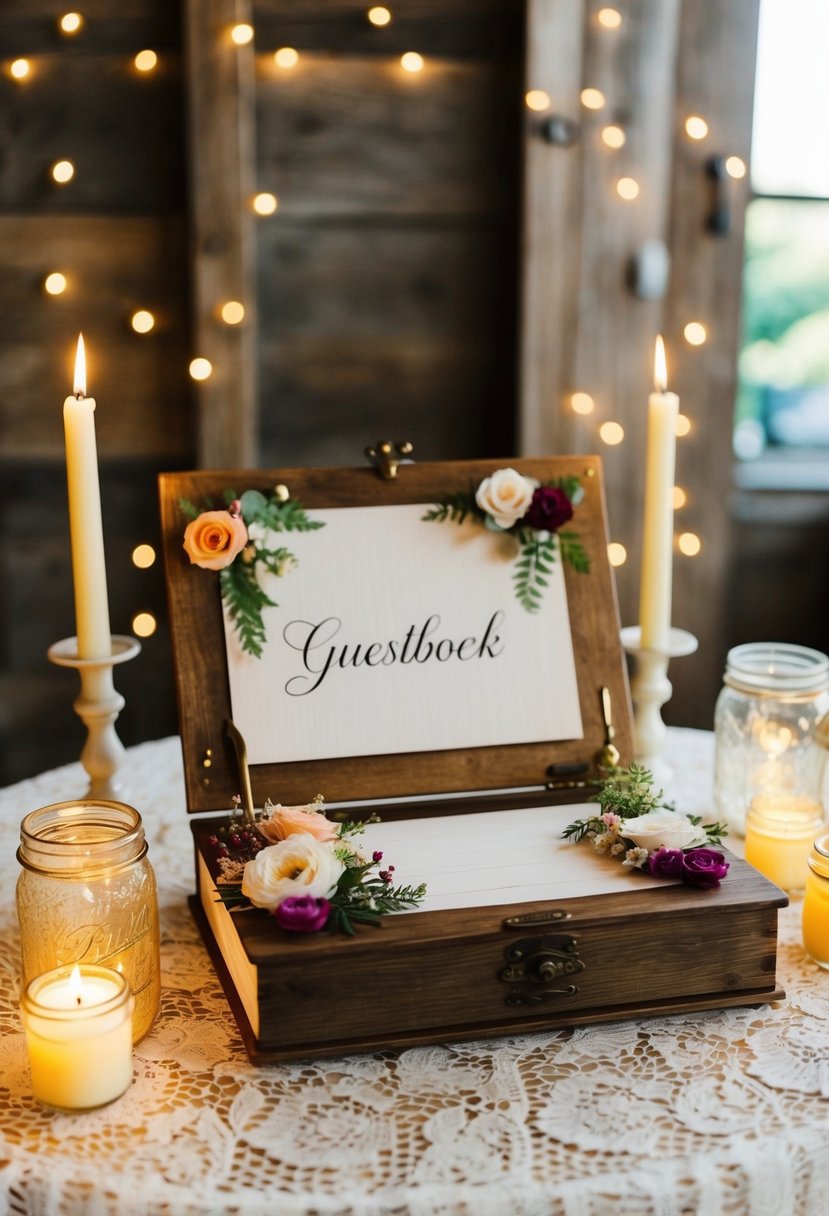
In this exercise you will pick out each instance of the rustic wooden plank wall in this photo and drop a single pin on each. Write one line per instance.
(585, 331)
(387, 278)
(116, 231)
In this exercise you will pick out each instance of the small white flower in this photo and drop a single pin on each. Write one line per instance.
(286, 565)
(669, 828)
(617, 849)
(635, 858)
(298, 865)
(506, 496)
(257, 532)
(603, 842)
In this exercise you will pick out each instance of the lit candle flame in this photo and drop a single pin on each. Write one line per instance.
(75, 985)
(660, 367)
(80, 369)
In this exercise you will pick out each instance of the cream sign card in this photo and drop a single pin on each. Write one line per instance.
(397, 635)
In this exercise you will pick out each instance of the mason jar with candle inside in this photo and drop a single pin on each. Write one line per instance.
(768, 746)
(87, 894)
(816, 904)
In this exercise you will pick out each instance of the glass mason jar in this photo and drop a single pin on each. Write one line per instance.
(87, 893)
(816, 904)
(774, 694)
(780, 830)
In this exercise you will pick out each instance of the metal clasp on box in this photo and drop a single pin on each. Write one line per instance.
(539, 963)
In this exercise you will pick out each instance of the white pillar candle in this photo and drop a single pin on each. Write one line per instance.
(658, 526)
(78, 1024)
(85, 522)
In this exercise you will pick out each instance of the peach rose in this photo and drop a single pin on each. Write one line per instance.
(214, 539)
(506, 496)
(284, 821)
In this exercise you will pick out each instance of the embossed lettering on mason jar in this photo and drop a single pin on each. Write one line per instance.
(87, 893)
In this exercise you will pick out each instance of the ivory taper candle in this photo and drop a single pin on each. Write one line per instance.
(658, 526)
(85, 522)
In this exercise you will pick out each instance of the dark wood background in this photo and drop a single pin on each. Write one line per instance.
(435, 271)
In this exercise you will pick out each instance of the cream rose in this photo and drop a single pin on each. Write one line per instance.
(299, 865)
(506, 496)
(214, 538)
(285, 821)
(662, 828)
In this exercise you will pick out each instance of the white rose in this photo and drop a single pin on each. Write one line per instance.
(506, 496)
(670, 829)
(299, 865)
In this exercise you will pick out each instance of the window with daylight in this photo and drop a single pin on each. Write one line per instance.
(782, 418)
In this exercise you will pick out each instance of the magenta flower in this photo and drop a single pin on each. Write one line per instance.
(549, 509)
(302, 914)
(666, 863)
(704, 868)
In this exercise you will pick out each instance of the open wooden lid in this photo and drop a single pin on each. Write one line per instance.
(201, 666)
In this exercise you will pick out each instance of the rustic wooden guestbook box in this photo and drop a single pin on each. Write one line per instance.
(467, 750)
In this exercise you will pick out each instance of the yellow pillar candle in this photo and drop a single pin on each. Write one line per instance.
(658, 524)
(78, 1024)
(816, 904)
(780, 829)
(85, 522)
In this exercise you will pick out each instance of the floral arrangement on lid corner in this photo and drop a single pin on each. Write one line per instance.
(648, 834)
(234, 541)
(532, 512)
(305, 870)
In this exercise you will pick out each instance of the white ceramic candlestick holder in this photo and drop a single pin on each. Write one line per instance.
(651, 689)
(98, 707)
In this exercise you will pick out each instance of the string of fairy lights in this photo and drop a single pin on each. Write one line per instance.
(612, 136)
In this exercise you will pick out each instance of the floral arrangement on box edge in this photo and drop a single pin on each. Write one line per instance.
(234, 542)
(533, 513)
(648, 834)
(303, 869)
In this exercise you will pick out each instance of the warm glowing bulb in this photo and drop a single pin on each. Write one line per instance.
(63, 171)
(617, 553)
(70, 23)
(264, 204)
(286, 57)
(689, 543)
(611, 433)
(242, 33)
(142, 321)
(735, 167)
(593, 99)
(683, 425)
(696, 127)
(537, 99)
(20, 69)
(55, 283)
(233, 312)
(143, 556)
(144, 624)
(695, 333)
(411, 61)
(379, 15)
(609, 18)
(201, 369)
(582, 403)
(627, 188)
(680, 497)
(145, 61)
(613, 136)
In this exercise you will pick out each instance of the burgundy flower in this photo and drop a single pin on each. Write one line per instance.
(549, 509)
(667, 863)
(703, 868)
(302, 914)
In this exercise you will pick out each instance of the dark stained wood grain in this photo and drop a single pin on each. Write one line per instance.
(220, 126)
(201, 672)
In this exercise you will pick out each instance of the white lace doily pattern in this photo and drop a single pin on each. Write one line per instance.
(717, 1114)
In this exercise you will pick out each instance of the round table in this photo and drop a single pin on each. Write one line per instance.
(715, 1113)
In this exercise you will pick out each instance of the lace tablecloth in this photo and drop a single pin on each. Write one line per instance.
(714, 1114)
